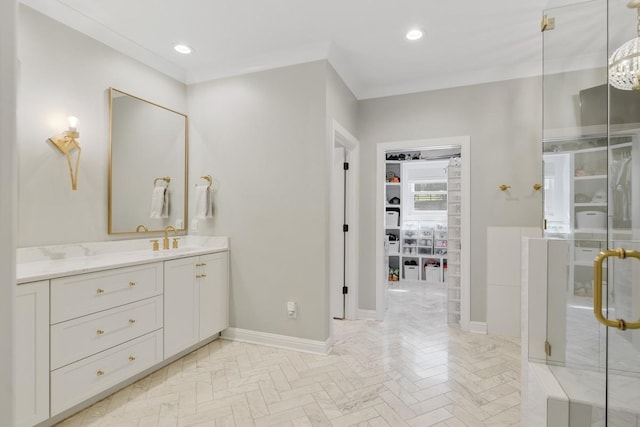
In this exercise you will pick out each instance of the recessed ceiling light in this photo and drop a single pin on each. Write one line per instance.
(414, 34)
(182, 48)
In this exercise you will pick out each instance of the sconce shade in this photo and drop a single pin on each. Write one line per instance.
(73, 123)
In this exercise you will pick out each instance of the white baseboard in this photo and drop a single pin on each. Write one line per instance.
(367, 314)
(279, 341)
(478, 327)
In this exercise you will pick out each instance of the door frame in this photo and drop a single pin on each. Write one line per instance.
(341, 137)
(465, 148)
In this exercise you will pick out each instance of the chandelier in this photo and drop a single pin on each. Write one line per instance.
(624, 64)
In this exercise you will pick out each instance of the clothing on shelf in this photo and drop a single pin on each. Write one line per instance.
(620, 183)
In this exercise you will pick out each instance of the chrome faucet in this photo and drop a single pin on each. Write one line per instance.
(165, 242)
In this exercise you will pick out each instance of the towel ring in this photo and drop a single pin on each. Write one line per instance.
(208, 179)
(164, 178)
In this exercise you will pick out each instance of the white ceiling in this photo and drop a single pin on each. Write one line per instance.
(466, 41)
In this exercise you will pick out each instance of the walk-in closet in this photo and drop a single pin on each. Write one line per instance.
(423, 221)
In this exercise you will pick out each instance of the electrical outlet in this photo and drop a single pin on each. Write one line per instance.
(194, 224)
(292, 309)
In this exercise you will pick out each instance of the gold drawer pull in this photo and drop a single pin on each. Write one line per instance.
(201, 264)
(132, 321)
(200, 276)
(100, 373)
(132, 284)
(132, 358)
(99, 332)
(100, 291)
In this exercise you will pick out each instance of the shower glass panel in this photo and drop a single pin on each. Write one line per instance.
(622, 296)
(575, 198)
(591, 165)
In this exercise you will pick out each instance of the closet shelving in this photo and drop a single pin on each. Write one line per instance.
(598, 179)
(418, 240)
(417, 248)
(392, 219)
(454, 243)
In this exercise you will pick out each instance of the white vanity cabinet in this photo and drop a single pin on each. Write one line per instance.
(196, 295)
(32, 353)
(105, 328)
(87, 326)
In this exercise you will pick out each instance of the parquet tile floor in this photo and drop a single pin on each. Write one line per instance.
(410, 370)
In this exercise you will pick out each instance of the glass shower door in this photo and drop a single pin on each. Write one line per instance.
(621, 295)
(591, 137)
(617, 299)
(575, 156)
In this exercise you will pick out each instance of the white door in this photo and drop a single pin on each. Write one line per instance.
(338, 268)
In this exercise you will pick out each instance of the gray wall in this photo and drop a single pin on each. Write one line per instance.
(63, 73)
(342, 105)
(262, 137)
(503, 120)
(8, 204)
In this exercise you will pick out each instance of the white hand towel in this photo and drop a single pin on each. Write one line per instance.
(159, 203)
(203, 202)
(165, 205)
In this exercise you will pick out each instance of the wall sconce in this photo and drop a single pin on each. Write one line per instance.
(67, 142)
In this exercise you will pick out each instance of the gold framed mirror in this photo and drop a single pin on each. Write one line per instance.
(148, 165)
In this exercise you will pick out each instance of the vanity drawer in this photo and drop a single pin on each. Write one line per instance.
(78, 338)
(76, 296)
(83, 379)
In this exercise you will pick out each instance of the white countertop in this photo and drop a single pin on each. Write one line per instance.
(49, 262)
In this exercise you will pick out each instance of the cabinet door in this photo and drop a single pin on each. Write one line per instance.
(180, 305)
(32, 353)
(214, 294)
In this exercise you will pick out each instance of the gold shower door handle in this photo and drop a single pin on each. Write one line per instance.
(597, 288)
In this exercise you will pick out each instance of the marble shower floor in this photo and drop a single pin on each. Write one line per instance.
(410, 370)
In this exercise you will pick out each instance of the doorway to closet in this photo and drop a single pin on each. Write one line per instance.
(423, 202)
